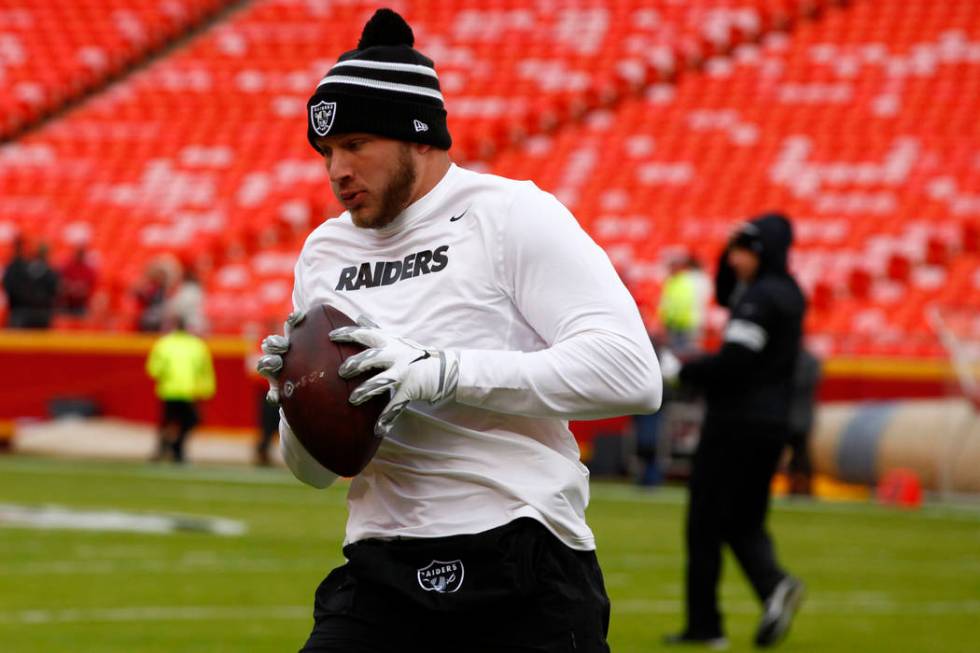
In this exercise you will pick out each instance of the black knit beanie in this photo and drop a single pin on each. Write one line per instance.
(747, 236)
(382, 87)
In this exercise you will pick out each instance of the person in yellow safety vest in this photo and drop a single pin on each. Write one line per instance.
(682, 304)
(181, 365)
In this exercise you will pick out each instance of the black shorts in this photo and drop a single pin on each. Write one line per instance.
(513, 588)
(181, 413)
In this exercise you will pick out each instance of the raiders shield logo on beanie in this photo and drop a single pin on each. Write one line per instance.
(383, 87)
(321, 117)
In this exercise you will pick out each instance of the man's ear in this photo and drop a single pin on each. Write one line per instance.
(422, 148)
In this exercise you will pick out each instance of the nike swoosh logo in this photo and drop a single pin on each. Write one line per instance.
(426, 354)
(457, 217)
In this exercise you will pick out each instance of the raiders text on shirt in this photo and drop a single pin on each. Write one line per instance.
(385, 273)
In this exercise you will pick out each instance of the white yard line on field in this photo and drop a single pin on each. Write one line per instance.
(843, 607)
(863, 564)
(61, 518)
(190, 473)
(169, 567)
(866, 607)
(156, 613)
(965, 510)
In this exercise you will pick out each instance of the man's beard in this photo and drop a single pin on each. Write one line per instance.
(395, 196)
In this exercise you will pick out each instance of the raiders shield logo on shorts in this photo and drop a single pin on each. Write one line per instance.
(441, 577)
(321, 117)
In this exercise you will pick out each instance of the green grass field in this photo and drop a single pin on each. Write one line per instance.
(879, 579)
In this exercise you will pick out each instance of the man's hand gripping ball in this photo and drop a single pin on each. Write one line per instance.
(410, 370)
(274, 347)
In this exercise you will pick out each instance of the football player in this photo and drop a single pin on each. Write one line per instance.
(491, 318)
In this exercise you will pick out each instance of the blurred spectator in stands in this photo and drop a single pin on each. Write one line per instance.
(44, 287)
(16, 285)
(32, 289)
(805, 382)
(181, 365)
(187, 303)
(151, 295)
(682, 304)
(78, 278)
(748, 387)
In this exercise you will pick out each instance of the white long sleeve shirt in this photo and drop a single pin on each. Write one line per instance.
(501, 272)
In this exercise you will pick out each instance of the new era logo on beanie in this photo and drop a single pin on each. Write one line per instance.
(382, 87)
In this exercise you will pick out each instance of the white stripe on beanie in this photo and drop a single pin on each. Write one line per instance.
(377, 84)
(386, 65)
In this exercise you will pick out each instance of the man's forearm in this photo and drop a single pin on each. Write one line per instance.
(589, 376)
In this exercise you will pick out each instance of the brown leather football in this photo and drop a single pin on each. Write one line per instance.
(315, 398)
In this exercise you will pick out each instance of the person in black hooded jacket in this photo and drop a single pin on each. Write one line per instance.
(747, 386)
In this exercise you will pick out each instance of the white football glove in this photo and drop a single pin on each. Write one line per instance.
(410, 370)
(274, 347)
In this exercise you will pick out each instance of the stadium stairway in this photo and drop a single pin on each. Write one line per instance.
(55, 54)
